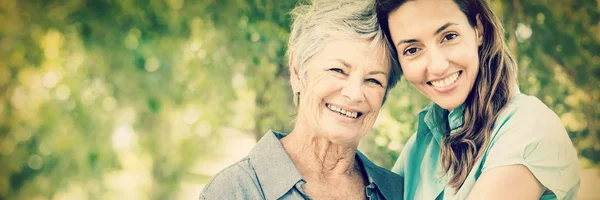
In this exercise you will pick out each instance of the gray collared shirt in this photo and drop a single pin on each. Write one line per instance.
(269, 173)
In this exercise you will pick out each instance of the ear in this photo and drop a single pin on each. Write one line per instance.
(479, 31)
(294, 76)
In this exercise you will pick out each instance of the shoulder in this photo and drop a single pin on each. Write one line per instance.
(528, 117)
(528, 124)
(529, 133)
(402, 160)
(411, 141)
(234, 182)
(531, 109)
(410, 144)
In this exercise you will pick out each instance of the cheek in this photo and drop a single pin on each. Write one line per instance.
(468, 59)
(314, 83)
(319, 87)
(413, 71)
(369, 121)
(374, 97)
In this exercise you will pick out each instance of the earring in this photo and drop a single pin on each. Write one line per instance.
(297, 99)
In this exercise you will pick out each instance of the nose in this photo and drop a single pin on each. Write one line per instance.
(352, 89)
(438, 63)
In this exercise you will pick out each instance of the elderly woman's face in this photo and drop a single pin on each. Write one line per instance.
(343, 89)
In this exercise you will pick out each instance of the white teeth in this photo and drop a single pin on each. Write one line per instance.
(342, 111)
(446, 82)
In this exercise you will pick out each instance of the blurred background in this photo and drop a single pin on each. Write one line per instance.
(132, 99)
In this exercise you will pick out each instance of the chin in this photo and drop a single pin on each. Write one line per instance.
(341, 137)
(451, 102)
(449, 105)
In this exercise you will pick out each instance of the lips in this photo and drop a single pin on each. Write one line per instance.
(446, 81)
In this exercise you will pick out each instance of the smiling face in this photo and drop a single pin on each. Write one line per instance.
(342, 91)
(437, 49)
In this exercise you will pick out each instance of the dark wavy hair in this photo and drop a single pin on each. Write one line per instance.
(493, 88)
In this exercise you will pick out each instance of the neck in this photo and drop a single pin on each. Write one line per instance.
(315, 155)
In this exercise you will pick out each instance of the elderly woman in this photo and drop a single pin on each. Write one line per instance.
(340, 73)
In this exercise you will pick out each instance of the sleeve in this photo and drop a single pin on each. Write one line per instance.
(234, 182)
(534, 136)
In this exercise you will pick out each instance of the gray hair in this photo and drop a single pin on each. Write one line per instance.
(323, 21)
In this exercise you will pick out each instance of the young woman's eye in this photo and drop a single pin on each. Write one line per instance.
(411, 51)
(372, 80)
(450, 36)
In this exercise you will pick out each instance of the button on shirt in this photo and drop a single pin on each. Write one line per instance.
(526, 132)
(269, 173)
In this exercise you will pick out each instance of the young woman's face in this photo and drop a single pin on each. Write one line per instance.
(437, 49)
(343, 90)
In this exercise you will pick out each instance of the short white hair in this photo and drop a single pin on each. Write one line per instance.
(322, 21)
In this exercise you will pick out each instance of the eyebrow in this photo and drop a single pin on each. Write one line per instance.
(442, 28)
(343, 62)
(377, 72)
(348, 65)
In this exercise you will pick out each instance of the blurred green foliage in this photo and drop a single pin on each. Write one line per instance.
(107, 99)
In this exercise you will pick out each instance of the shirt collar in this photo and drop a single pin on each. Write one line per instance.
(277, 173)
(456, 118)
(439, 121)
(388, 183)
(274, 168)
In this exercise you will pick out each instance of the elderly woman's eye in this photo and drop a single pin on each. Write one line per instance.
(372, 80)
(338, 70)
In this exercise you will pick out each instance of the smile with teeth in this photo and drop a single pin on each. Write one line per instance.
(445, 82)
(343, 112)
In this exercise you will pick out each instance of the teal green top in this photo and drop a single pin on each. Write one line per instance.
(526, 132)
